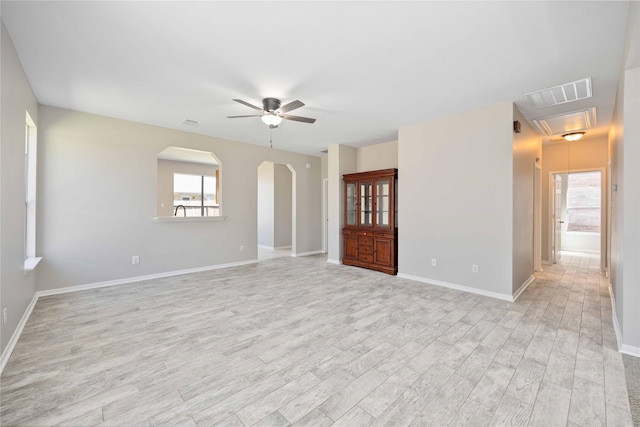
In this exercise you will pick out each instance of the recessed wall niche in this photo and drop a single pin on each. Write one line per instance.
(188, 183)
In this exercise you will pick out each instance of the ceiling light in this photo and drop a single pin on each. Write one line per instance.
(271, 119)
(573, 136)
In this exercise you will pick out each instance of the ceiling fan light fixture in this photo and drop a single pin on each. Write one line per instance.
(573, 136)
(271, 119)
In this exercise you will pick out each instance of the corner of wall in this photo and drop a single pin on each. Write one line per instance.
(17, 288)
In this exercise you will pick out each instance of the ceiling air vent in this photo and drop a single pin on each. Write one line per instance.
(562, 94)
(569, 122)
(190, 122)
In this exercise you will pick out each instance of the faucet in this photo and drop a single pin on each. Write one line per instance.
(183, 208)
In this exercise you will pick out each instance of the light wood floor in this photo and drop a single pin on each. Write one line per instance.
(304, 342)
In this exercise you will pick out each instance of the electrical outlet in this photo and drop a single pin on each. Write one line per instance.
(135, 259)
(4, 316)
(241, 248)
(434, 262)
(474, 268)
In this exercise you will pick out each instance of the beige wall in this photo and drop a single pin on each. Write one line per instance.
(98, 184)
(585, 154)
(324, 164)
(274, 206)
(455, 200)
(282, 207)
(527, 146)
(624, 146)
(342, 160)
(17, 289)
(166, 169)
(376, 157)
(265, 204)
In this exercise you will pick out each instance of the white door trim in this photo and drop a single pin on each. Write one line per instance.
(325, 214)
(603, 209)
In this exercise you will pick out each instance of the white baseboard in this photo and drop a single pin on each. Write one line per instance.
(580, 251)
(334, 261)
(274, 248)
(6, 354)
(630, 350)
(614, 318)
(497, 295)
(298, 254)
(622, 348)
(524, 286)
(66, 289)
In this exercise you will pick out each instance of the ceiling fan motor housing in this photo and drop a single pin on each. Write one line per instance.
(270, 104)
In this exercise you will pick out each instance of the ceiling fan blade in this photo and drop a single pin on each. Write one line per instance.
(298, 118)
(237, 117)
(291, 106)
(248, 105)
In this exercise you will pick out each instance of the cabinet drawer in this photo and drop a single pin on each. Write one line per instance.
(365, 240)
(365, 249)
(365, 257)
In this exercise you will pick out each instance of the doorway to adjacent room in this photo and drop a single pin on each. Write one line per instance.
(577, 217)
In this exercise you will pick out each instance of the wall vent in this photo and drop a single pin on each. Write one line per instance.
(559, 124)
(190, 122)
(568, 92)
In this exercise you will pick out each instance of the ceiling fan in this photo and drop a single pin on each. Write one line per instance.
(273, 113)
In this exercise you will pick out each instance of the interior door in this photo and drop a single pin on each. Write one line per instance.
(557, 218)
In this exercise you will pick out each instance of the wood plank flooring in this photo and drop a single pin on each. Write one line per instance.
(299, 341)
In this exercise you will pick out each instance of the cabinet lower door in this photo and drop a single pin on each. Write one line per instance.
(383, 254)
(351, 247)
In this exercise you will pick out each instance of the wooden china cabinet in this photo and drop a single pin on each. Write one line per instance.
(370, 220)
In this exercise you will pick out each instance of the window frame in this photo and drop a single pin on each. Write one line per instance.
(30, 193)
(202, 193)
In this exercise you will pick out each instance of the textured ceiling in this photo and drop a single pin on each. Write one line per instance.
(363, 69)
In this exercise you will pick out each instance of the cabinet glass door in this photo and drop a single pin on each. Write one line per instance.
(382, 203)
(366, 203)
(351, 203)
(395, 201)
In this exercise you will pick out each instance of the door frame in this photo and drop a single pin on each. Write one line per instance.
(556, 237)
(292, 196)
(537, 216)
(603, 210)
(325, 215)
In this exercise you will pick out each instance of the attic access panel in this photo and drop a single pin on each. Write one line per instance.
(574, 121)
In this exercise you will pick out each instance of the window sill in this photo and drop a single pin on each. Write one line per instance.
(31, 263)
(188, 218)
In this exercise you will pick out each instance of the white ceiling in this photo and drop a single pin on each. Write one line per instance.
(363, 69)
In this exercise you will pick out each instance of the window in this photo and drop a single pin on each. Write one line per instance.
(30, 167)
(583, 202)
(194, 195)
